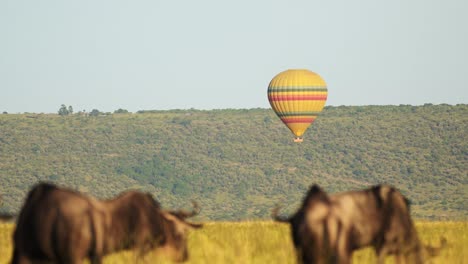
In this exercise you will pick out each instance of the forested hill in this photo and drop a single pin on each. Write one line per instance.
(239, 163)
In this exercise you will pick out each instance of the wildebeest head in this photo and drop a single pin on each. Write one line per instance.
(153, 229)
(313, 212)
(174, 245)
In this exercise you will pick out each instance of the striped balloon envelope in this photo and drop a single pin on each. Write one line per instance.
(297, 97)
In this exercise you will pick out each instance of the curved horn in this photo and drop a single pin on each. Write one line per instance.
(276, 217)
(184, 214)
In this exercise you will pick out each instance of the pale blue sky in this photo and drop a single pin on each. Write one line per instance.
(142, 55)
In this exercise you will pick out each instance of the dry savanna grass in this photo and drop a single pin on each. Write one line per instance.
(269, 242)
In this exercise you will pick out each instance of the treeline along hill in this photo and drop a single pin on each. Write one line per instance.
(238, 164)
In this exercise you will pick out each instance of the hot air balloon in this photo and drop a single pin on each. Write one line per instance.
(297, 96)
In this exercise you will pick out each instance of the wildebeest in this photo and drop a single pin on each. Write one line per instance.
(328, 228)
(64, 226)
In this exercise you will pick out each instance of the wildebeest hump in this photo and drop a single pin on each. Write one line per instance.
(130, 220)
(51, 222)
(359, 214)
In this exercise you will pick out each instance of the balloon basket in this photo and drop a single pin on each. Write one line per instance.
(298, 140)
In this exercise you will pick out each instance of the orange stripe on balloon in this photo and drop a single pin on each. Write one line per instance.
(298, 120)
(297, 97)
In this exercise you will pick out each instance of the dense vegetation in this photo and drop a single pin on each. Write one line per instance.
(239, 163)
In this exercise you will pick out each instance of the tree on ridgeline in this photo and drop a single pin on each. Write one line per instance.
(120, 111)
(64, 110)
(94, 112)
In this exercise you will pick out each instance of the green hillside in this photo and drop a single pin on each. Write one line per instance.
(239, 163)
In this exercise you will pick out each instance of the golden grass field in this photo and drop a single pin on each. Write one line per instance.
(269, 242)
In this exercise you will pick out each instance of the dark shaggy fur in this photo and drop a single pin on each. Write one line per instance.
(327, 229)
(63, 226)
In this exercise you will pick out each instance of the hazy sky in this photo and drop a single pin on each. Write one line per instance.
(142, 55)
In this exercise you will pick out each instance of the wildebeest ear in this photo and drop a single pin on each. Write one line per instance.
(315, 189)
(315, 192)
(151, 198)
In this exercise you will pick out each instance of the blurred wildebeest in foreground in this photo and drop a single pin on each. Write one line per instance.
(63, 226)
(328, 228)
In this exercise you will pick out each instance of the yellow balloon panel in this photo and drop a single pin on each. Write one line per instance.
(297, 97)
